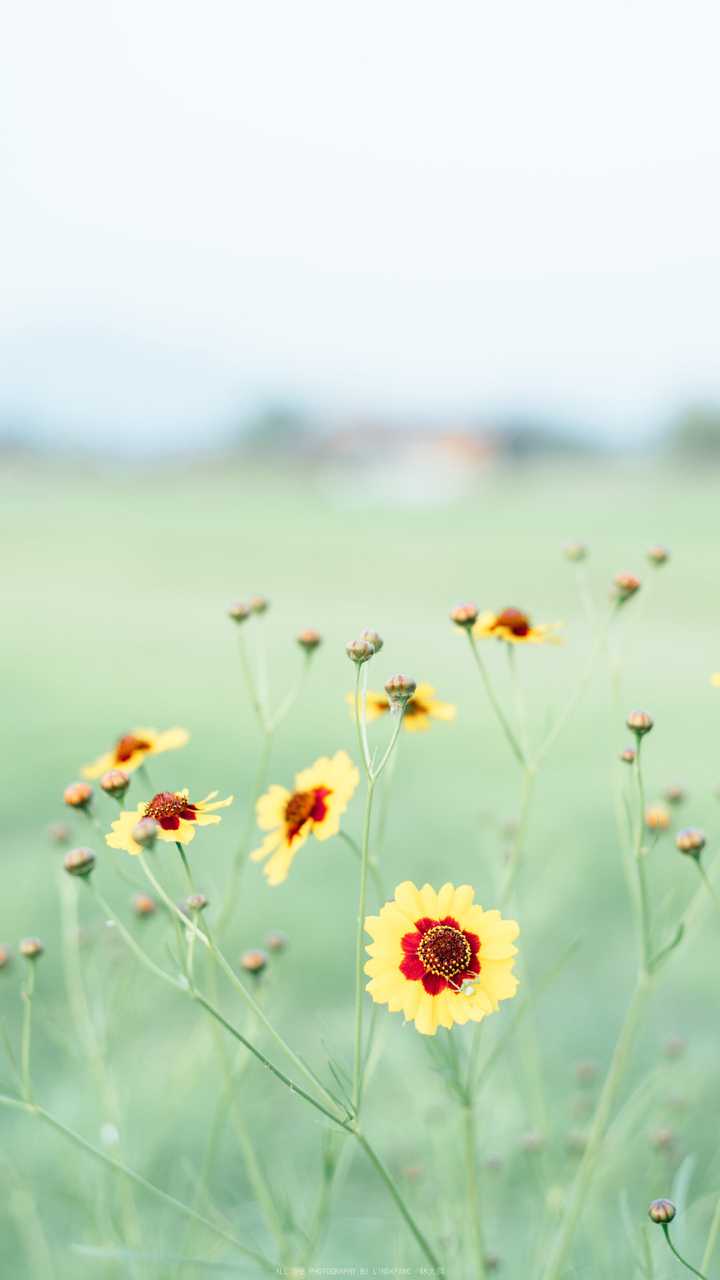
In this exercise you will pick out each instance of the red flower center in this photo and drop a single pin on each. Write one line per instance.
(127, 746)
(167, 808)
(305, 806)
(444, 950)
(514, 621)
(440, 955)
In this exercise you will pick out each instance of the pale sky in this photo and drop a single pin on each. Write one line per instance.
(397, 206)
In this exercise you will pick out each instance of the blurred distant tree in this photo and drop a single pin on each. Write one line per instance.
(522, 440)
(696, 432)
(276, 428)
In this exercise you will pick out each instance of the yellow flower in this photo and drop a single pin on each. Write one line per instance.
(320, 796)
(130, 750)
(715, 679)
(439, 958)
(176, 815)
(515, 627)
(420, 710)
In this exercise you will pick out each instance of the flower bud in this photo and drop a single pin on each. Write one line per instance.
(5, 956)
(658, 556)
(31, 948)
(674, 794)
(585, 1074)
(674, 1047)
(628, 755)
(59, 832)
(662, 1212)
(662, 1139)
(259, 604)
(145, 832)
(239, 612)
(625, 585)
(532, 1142)
(464, 615)
(79, 862)
(639, 722)
(309, 639)
(372, 638)
(399, 690)
(492, 1261)
(691, 840)
(575, 551)
(359, 651)
(657, 817)
(196, 902)
(78, 795)
(276, 941)
(144, 905)
(115, 783)
(254, 961)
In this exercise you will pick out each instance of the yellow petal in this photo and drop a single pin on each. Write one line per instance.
(169, 740)
(270, 808)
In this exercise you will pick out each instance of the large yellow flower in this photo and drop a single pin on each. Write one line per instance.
(321, 795)
(515, 627)
(130, 750)
(176, 815)
(420, 710)
(438, 957)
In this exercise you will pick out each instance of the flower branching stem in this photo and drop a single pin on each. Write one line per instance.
(684, 1261)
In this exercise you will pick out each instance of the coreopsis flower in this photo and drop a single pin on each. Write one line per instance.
(175, 814)
(420, 709)
(438, 957)
(314, 807)
(715, 679)
(133, 748)
(514, 627)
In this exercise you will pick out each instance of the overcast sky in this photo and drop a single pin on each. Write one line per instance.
(404, 205)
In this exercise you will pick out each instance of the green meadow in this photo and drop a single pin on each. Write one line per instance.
(116, 585)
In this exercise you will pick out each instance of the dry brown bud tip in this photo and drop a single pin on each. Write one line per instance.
(464, 615)
(239, 612)
(276, 941)
(115, 782)
(79, 862)
(639, 722)
(658, 555)
(254, 961)
(691, 840)
(309, 639)
(626, 585)
(31, 948)
(372, 638)
(399, 690)
(628, 755)
(144, 905)
(78, 795)
(259, 604)
(359, 651)
(661, 1211)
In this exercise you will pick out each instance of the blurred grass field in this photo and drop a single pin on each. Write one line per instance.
(115, 586)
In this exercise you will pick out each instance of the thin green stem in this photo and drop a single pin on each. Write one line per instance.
(528, 786)
(492, 697)
(361, 718)
(395, 1193)
(555, 1266)
(288, 702)
(26, 1034)
(708, 883)
(207, 941)
(359, 952)
(585, 679)
(241, 855)
(252, 687)
(373, 867)
(129, 941)
(641, 863)
(712, 1238)
(671, 1246)
(118, 1167)
(473, 1190)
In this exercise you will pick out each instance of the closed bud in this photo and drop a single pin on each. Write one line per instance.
(628, 755)
(144, 905)
(59, 832)
(639, 723)
(657, 817)
(585, 1074)
(662, 1139)
(259, 604)
(145, 832)
(276, 941)
(662, 1212)
(115, 783)
(464, 615)
(575, 551)
(5, 956)
(625, 586)
(196, 902)
(31, 948)
(674, 1047)
(309, 639)
(674, 794)
(492, 1262)
(658, 556)
(79, 862)
(78, 795)
(254, 961)
(359, 651)
(691, 840)
(532, 1142)
(239, 612)
(372, 638)
(399, 690)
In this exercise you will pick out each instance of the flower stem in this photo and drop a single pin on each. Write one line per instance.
(241, 854)
(359, 950)
(708, 883)
(671, 1246)
(395, 1193)
(641, 860)
(26, 1034)
(473, 1189)
(502, 718)
(118, 1167)
(712, 1238)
